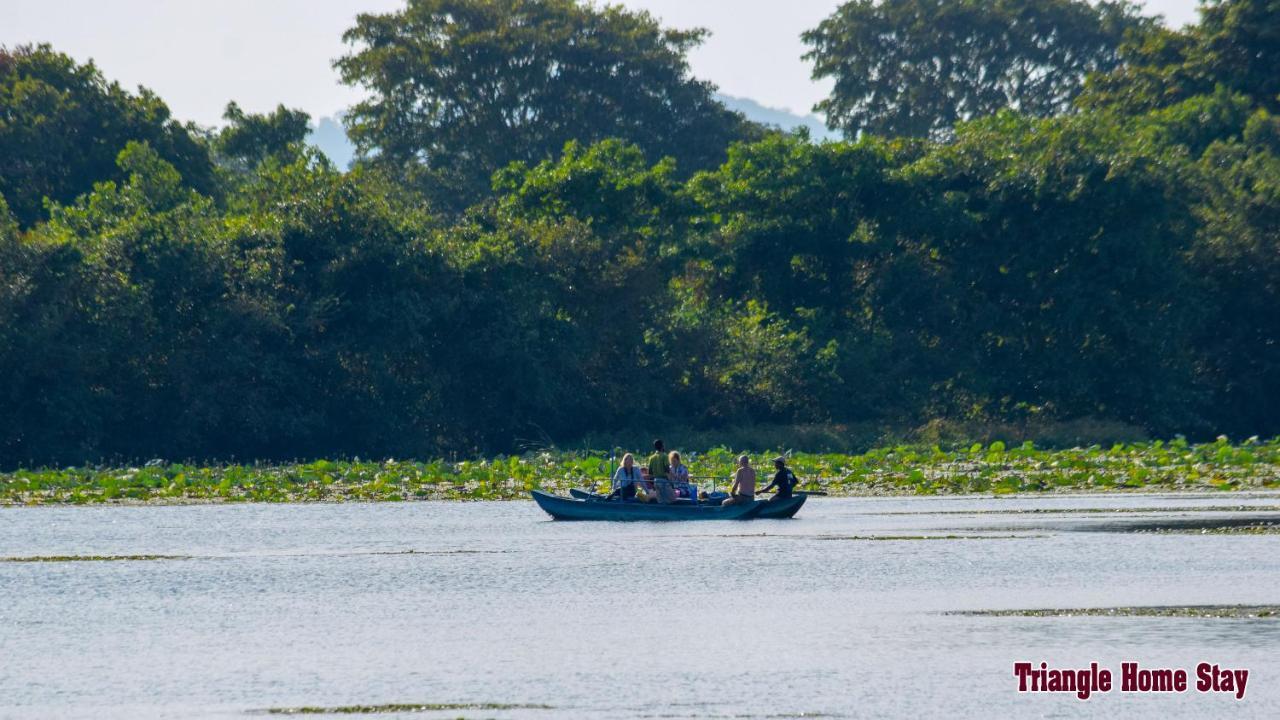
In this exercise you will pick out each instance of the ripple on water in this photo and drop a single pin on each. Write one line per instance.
(1180, 611)
(397, 708)
(90, 558)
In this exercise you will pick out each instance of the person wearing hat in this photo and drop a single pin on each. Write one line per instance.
(783, 479)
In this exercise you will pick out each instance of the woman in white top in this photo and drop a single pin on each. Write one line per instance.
(625, 478)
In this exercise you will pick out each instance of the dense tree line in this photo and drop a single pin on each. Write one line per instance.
(172, 291)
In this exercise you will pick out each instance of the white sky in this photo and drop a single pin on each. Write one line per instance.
(199, 55)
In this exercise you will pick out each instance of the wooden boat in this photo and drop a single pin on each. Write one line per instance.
(781, 509)
(563, 508)
(770, 510)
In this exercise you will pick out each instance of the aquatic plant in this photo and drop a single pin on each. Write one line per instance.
(994, 469)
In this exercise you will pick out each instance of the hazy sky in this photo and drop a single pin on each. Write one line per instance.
(199, 55)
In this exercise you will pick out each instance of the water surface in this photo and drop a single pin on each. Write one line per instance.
(493, 604)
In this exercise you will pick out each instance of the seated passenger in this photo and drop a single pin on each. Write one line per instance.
(626, 478)
(743, 489)
(680, 476)
(645, 491)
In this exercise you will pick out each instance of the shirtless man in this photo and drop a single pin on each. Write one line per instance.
(744, 483)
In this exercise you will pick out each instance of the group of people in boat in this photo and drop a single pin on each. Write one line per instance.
(665, 479)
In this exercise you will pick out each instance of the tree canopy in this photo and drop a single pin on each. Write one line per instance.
(917, 67)
(1236, 47)
(249, 139)
(461, 88)
(62, 125)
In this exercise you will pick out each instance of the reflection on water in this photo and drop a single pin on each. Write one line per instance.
(424, 610)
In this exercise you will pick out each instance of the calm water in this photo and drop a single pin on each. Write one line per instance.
(322, 605)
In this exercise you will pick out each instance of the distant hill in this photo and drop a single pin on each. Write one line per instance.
(330, 137)
(779, 118)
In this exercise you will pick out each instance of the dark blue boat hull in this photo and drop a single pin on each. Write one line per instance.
(771, 510)
(563, 508)
(781, 509)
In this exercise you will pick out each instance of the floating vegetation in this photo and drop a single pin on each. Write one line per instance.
(434, 552)
(398, 708)
(1182, 611)
(1087, 510)
(1265, 528)
(926, 537)
(1229, 525)
(90, 558)
(993, 469)
(875, 537)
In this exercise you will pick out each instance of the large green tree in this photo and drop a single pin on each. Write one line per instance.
(250, 138)
(1240, 47)
(916, 67)
(1235, 46)
(62, 125)
(461, 88)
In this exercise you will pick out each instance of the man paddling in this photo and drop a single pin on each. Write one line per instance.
(783, 480)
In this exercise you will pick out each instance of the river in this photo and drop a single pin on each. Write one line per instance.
(491, 610)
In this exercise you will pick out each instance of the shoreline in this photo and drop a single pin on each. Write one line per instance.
(978, 470)
(1190, 493)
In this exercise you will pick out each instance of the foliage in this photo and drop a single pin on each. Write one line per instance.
(1238, 256)
(249, 139)
(917, 67)
(62, 125)
(1235, 46)
(461, 88)
(1055, 238)
(993, 469)
(1239, 46)
(111, 303)
(1115, 267)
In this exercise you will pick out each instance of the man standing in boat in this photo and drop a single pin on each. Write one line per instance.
(744, 483)
(660, 473)
(783, 480)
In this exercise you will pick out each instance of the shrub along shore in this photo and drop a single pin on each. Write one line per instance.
(990, 469)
